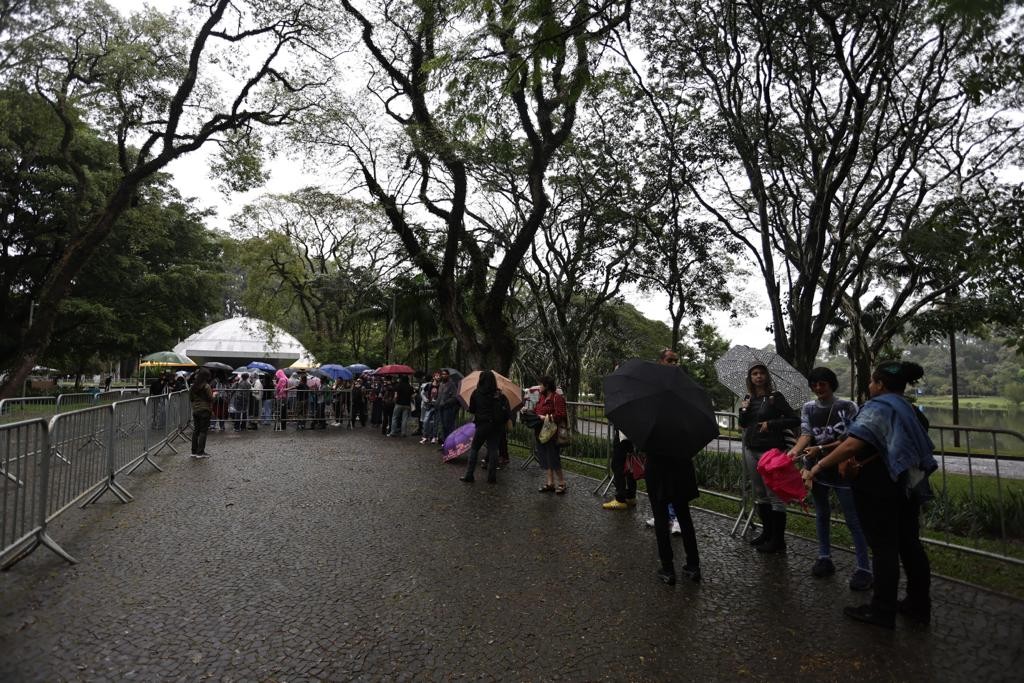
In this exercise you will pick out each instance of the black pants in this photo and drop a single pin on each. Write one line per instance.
(200, 428)
(625, 484)
(659, 506)
(492, 437)
(358, 412)
(891, 523)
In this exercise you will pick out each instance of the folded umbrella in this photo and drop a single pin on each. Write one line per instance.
(458, 442)
(659, 408)
(512, 391)
(732, 370)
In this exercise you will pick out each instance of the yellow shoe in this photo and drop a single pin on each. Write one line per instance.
(615, 505)
(631, 502)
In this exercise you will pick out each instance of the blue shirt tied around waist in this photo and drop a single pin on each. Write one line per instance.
(888, 423)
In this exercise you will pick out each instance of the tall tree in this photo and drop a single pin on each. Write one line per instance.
(836, 127)
(458, 82)
(149, 80)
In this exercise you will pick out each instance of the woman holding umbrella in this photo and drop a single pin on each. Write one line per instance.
(490, 411)
(201, 397)
(550, 406)
(765, 415)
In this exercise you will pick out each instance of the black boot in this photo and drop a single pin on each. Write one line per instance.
(777, 542)
(667, 574)
(764, 512)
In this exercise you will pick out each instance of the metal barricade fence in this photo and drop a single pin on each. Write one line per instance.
(80, 443)
(27, 407)
(66, 402)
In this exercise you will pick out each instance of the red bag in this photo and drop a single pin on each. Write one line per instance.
(780, 474)
(636, 465)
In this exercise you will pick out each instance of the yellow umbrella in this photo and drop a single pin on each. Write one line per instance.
(305, 364)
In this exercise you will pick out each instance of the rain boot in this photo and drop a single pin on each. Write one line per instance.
(764, 512)
(777, 542)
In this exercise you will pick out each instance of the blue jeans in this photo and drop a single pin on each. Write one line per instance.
(398, 420)
(822, 520)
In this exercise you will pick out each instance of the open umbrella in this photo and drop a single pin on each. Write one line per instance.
(512, 391)
(453, 373)
(394, 369)
(458, 442)
(166, 359)
(336, 371)
(242, 368)
(659, 408)
(325, 376)
(218, 368)
(260, 365)
(732, 370)
(288, 372)
(358, 368)
(305, 364)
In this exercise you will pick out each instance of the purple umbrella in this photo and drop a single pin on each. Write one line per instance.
(458, 442)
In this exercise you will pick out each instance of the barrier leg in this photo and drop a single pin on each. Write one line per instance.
(40, 539)
(145, 458)
(110, 485)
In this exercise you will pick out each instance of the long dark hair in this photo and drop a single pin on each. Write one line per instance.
(488, 385)
(895, 375)
(769, 386)
(201, 379)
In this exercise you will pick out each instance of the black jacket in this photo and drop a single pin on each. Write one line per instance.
(774, 410)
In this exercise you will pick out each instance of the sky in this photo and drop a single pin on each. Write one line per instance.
(191, 177)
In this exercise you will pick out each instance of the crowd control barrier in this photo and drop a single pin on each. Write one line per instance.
(47, 467)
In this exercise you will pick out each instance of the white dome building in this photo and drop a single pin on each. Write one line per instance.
(243, 339)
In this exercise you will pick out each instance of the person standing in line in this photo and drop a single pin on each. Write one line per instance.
(765, 416)
(387, 406)
(314, 399)
(625, 484)
(491, 411)
(447, 405)
(823, 425)
(267, 400)
(358, 404)
(241, 398)
(893, 454)
(403, 404)
(428, 401)
(254, 402)
(672, 482)
(550, 406)
(281, 395)
(201, 397)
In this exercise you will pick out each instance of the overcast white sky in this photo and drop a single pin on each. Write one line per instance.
(192, 178)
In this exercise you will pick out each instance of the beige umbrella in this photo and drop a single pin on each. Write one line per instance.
(512, 391)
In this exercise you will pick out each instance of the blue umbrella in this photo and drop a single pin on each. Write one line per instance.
(260, 365)
(358, 368)
(336, 371)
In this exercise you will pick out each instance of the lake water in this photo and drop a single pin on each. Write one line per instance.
(990, 419)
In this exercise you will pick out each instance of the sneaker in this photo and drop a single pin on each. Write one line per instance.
(870, 615)
(861, 580)
(631, 502)
(650, 523)
(423, 440)
(615, 505)
(823, 567)
(676, 530)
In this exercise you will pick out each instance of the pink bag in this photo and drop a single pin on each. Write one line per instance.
(636, 465)
(780, 474)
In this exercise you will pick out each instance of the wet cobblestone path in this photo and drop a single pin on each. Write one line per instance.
(344, 556)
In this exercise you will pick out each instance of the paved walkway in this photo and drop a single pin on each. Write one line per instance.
(344, 556)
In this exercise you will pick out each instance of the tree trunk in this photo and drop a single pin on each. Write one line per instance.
(956, 391)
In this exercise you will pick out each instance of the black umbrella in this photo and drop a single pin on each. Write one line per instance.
(222, 367)
(659, 408)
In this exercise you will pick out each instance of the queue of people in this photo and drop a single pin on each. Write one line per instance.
(880, 488)
(875, 459)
